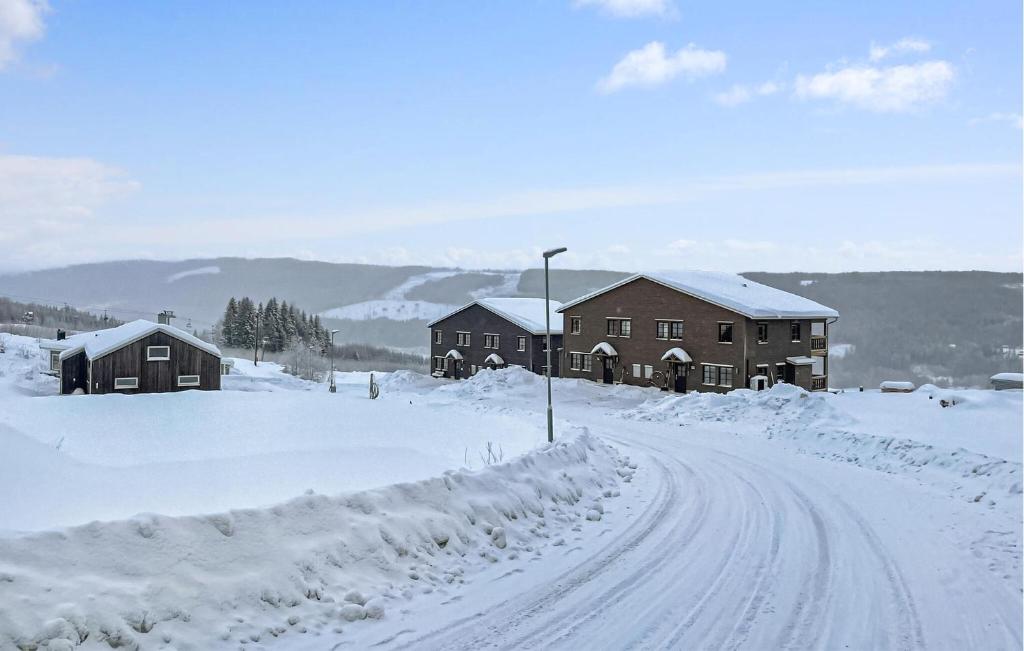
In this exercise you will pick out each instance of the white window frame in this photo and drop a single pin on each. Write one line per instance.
(638, 370)
(657, 329)
(766, 367)
(54, 360)
(495, 341)
(704, 372)
(799, 331)
(732, 376)
(438, 363)
(437, 337)
(780, 372)
(576, 361)
(134, 385)
(521, 343)
(462, 339)
(732, 333)
(759, 324)
(588, 362)
(151, 358)
(681, 329)
(648, 371)
(189, 384)
(575, 325)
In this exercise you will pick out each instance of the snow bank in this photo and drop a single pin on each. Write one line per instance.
(972, 447)
(315, 561)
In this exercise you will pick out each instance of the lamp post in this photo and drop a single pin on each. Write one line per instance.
(550, 253)
(333, 388)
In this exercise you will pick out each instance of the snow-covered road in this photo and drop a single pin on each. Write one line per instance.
(734, 543)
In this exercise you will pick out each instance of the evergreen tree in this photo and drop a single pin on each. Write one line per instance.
(228, 326)
(245, 330)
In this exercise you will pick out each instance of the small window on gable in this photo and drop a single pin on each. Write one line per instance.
(126, 383)
(794, 330)
(437, 336)
(725, 333)
(54, 360)
(188, 380)
(158, 353)
(521, 344)
(575, 325)
(762, 332)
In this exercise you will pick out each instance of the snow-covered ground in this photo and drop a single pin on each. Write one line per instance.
(778, 519)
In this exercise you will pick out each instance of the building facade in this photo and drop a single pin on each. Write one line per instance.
(696, 332)
(494, 333)
(138, 357)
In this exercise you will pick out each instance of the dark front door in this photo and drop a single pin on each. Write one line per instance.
(456, 366)
(609, 370)
(680, 379)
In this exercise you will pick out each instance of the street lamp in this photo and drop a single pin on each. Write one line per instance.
(547, 319)
(333, 388)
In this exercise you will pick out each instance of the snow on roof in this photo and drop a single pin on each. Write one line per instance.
(677, 354)
(604, 348)
(800, 361)
(731, 291)
(99, 343)
(453, 354)
(494, 358)
(527, 313)
(900, 386)
(1007, 377)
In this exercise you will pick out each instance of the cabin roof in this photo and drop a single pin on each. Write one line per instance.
(99, 343)
(527, 313)
(731, 291)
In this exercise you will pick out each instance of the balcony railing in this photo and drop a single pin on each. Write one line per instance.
(819, 382)
(819, 343)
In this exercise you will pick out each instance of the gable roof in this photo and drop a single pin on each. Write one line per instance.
(731, 291)
(527, 313)
(99, 343)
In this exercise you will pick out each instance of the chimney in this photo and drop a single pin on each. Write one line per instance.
(165, 317)
(61, 335)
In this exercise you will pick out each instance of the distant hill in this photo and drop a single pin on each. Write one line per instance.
(941, 327)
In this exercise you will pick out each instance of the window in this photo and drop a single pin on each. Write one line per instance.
(521, 344)
(725, 376)
(575, 325)
(663, 329)
(625, 327)
(710, 375)
(437, 336)
(126, 383)
(794, 330)
(761, 369)
(762, 332)
(490, 341)
(648, 371)
(225, 368)
(473, 369)
(575, 361)
(188, 380)
(613, 327)
(54, 360)
(158, 353)
(438, 363)
(725, 333)
(587, 362)
(636, 370)
(670, 329)
(461, 338)
(677, 330)
(780, 372)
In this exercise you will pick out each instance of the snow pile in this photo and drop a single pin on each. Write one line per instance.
(972, 445)
(23, 367)
(314, 563)
(490, 382)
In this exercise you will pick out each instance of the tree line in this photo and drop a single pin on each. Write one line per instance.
(280, 325)
(52, 316)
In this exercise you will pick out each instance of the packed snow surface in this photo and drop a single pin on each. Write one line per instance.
(773, 519)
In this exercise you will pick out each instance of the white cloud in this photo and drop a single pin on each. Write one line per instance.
(906, 45)
(652, 66)
(21, 21)
(630, 8)
(741, 94)
(883, 90)
(1013, 119)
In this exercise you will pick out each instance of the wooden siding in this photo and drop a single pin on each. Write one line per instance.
(477, 321)
(645, 303)
(74, 374)
(155, 376)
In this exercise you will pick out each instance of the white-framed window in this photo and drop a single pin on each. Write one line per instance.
(490, 341)
(761, 369)
(521, 343)
(473, 369)
(225, 368)
(439, 363)
(126, 383)
(158, 353)
(710, 375)
(637, 370)
(54, 360)
(648, 371)
(662, 330)
(575, 325)
(575, 361)
(619, 327)
(668, 329)
(794, 331)
(587, 362)
(725, 376)
(717, 375)
(437, 336)
(461, 338)
(188, 380)
(780, 372)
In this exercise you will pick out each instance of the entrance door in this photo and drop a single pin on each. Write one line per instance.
(609, 370)
(456, 365)
(680, 378)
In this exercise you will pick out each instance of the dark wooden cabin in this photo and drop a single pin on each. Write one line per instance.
(139, 357)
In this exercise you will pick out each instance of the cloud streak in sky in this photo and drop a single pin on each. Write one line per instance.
(652, 66)
(21, 22)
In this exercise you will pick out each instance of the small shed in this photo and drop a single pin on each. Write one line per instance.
(1003, 381)
(139, 357)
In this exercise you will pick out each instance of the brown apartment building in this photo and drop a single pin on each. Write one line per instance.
(696, 331)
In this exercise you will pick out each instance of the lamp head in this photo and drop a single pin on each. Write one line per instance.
(550, 253)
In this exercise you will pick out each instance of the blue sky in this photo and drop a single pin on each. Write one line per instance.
(642, 134)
